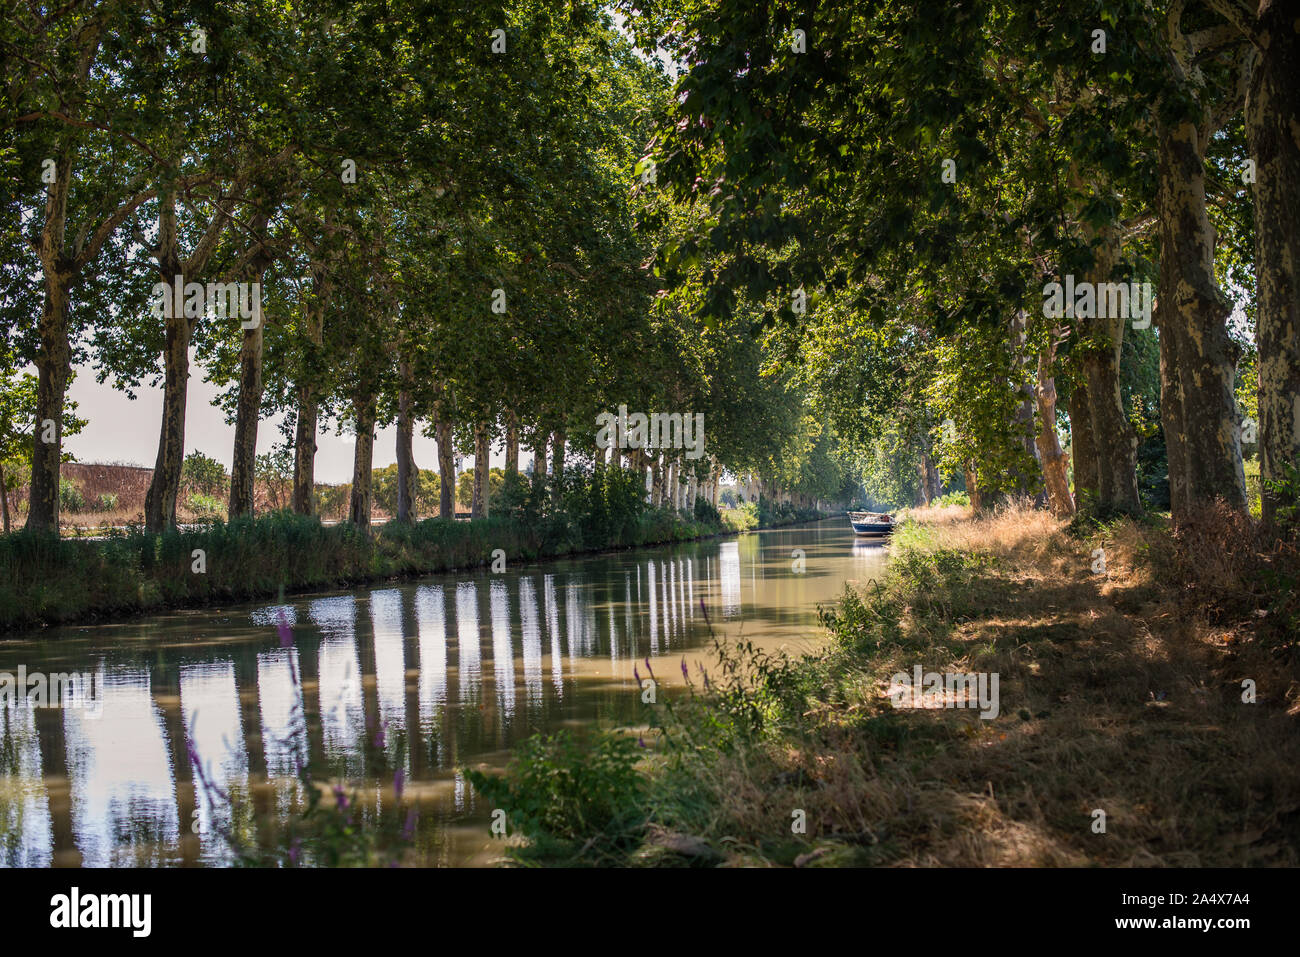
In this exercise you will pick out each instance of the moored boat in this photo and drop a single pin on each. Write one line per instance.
(871, 524)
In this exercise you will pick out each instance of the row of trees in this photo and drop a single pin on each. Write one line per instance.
(441, 205)
(897, 186)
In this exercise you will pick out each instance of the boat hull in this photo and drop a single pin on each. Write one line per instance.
(871, 529)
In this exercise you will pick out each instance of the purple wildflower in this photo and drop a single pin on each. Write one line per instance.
(408, 829)
(648, 668)
(399, 782)
(640, 740)
(636, 675)
(286, 633)
(340, 797)
(685, 674)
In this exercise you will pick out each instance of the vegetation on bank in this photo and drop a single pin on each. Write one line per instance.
(1121, 691)
(47, 580)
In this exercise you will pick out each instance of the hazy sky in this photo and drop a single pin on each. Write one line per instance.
(122, 430)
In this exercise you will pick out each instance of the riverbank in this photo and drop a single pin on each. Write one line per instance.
(46, 581)
(1147, 713)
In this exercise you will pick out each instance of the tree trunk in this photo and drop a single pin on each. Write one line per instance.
(1193, 315)
(1273, 131)
(972, 486)
(242, 471)
(160, 500)
(656, 481)
(1114, 441)
(446, 461)
(1049, 447)
(53, 365)
(512, 442)
(247, 412)
(539, 456)
(1023, 418)
(407, 474)
(1171, 422)
(304, 442)
(558, 443)
(1083, 446)
(54, 356)
(304, 451)
(479, 504)
(4, 498)
(362, 464)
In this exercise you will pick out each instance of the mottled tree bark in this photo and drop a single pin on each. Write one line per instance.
(304, 450)
(1023, 418)
(248, 409)
(247, 413)
(512, 442)
(407, 474)
(1112, 435)
(1194, 337)
(1050, 455)
(53, 365)
(1273, 130)
(160, 499)
(446, 460)
(1083, 449)
(558, 443)
(1171, 421)
(479, 502)
(359, 503)
(308, 391)
(539, 455)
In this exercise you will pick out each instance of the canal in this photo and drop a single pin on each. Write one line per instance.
(445, 672)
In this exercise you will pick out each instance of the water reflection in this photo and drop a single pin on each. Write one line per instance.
(202, 712)
(120, 775)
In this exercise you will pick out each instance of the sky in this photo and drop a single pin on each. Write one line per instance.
(120, 429)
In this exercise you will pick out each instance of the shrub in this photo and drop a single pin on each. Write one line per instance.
(205, 508)
(560, 789)
(706, 513)
(203, 474)
(952, 498)
(105, 502)
(70, 497)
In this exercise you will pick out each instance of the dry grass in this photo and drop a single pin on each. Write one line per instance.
(1119, 692)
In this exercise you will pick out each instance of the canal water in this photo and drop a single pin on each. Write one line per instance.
(169, 725)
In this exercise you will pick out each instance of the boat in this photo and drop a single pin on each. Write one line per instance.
(871, 524)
